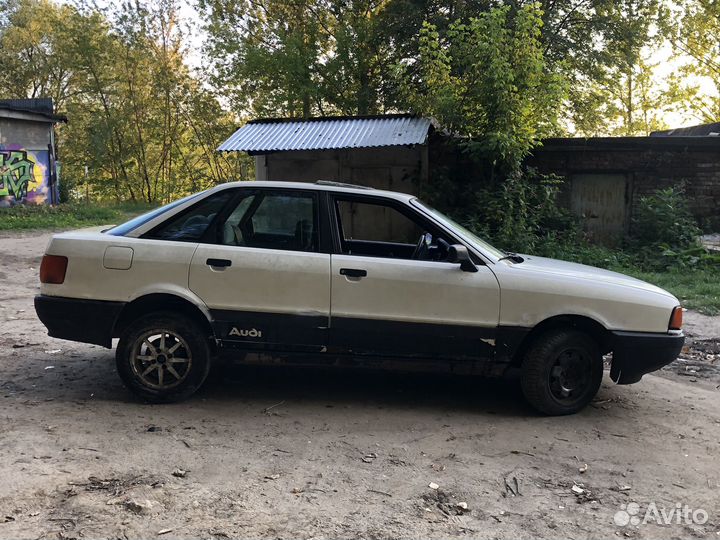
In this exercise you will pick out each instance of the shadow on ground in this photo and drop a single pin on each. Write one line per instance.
(91, 376)
(347, 386)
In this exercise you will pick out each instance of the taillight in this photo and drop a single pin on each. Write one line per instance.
(676, 319)
(53, 268)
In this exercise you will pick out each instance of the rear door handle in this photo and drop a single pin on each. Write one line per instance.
(219, 262)
(353, 272)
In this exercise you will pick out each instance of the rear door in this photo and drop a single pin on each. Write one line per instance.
(265, 280)
(389, 299)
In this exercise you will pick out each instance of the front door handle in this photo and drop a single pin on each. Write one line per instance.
(353, 272)
(222, 263)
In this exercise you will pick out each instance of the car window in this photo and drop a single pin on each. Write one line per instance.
(381, 230)
(129, 226)
(483, 245)
(376, 223)
(273, 220)
(190, 226)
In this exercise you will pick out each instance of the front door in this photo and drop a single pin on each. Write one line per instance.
(393, 293)
(265, 281)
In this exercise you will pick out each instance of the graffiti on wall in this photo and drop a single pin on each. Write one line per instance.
(24, 176)
(16, 172)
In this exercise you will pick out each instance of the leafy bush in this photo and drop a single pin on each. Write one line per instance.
(664, 219)
(515, 214)
(574, 247)
(665, 234)
(65, 190)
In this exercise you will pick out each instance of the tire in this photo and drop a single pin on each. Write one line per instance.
(561, 372)
(168, 374)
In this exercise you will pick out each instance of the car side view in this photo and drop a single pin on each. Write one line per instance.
(330, 273)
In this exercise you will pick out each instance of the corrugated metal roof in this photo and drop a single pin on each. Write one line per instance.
(272, 135)
(702, 130)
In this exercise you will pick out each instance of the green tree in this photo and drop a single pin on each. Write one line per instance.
(265, 54)
(297, 59)
(140, 123)
(353, 74)
(34, 62)
(487, 82)
(614, 86)
(693, 28)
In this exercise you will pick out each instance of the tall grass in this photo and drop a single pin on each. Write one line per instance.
(67, 216)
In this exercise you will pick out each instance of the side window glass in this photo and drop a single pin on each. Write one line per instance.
(380, 230)
(231, 232)
(274, 221)
(190, 226)
(376, 223)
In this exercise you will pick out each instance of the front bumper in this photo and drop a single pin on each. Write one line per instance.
(638, 353)
(87, 321)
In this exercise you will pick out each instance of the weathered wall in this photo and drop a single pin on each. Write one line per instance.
(396, 168)
(647, 165)
(24, 162)
(30, 135)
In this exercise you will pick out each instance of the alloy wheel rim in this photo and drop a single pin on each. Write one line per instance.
(161, 359)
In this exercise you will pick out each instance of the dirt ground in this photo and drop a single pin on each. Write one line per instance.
(285, 453)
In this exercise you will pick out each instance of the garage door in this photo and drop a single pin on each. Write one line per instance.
(600, 200)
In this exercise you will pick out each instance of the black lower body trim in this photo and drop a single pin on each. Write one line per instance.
(411, 339)
(75, 319)
(277, 332)
(508, 341)
(270, 331)
(638, 353)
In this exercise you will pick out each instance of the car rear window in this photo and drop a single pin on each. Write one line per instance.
(128, 226)
(190, 224)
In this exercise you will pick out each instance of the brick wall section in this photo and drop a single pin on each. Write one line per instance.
(649, 164)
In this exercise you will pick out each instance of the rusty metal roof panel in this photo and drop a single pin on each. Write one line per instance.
(327, 133)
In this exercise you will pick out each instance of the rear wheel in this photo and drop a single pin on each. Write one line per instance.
(163, 357)
(561, 372)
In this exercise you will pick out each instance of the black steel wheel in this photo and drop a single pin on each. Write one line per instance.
(561, 372)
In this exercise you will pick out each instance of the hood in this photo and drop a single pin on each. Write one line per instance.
(582, 271)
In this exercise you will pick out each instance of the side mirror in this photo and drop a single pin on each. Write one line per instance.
(457, 253)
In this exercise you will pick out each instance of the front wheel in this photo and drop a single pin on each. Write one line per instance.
(561, 372)
(163, 357)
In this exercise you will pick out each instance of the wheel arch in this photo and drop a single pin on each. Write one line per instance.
(153, 302)
(589, 326)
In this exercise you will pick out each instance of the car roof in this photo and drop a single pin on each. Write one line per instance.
(335, 187)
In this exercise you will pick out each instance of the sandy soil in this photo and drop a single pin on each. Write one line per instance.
(281, 452)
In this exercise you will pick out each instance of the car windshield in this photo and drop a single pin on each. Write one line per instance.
(471, 237)
(124, 228)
